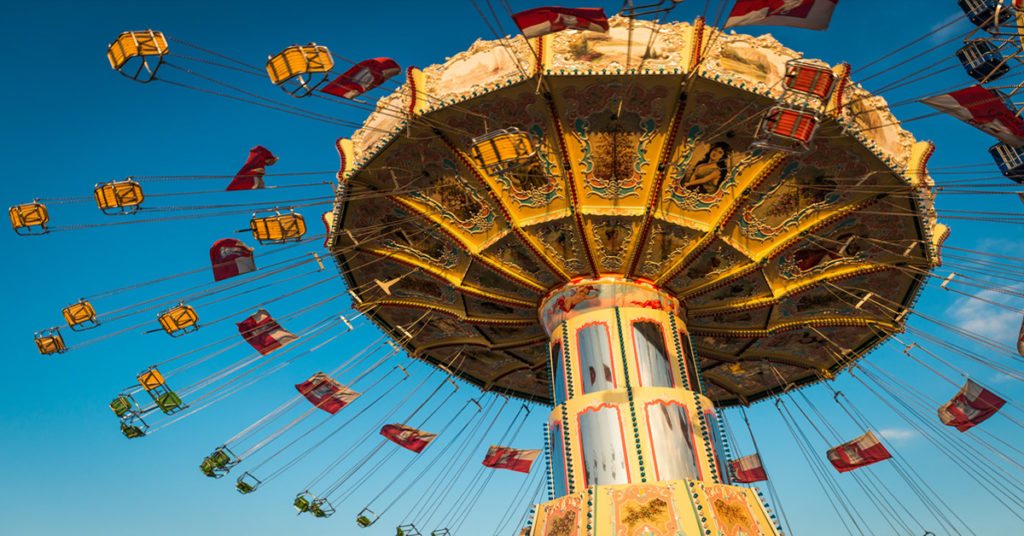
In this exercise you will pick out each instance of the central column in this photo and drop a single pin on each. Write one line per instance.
(627, 396)
(633, 443)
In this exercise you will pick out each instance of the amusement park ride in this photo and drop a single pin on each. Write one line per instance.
(635, 223)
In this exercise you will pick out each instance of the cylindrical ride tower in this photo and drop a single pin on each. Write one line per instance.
(632, 440)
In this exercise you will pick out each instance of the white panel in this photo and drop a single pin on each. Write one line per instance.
(672, 441)
(652, 360)
(596, 370)
(603, 457)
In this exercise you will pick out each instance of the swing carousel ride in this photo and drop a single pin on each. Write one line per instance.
(635, 223)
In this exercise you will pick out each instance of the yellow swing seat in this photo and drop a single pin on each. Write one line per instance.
(138, 55)
(278, 228)
(29, 218)
(49, 341)
(119, 197)
(300, 69)
(80, 315)
(179, 320)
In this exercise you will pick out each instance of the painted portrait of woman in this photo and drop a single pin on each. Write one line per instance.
(710, 171)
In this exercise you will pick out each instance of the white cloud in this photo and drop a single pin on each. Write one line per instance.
(985, 319)
(898, 436)
(941, 32)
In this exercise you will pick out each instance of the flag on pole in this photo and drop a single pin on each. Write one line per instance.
(986, 109)
(362, 77)
(264, 333)
(230, 258)
(865, 450)
(808, 14)
(510, 458)
(250, 177)
(544, 20)
(407, 436)
(972, 405)
(748, 469)
(326, 393)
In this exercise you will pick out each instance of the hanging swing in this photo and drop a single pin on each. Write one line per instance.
(501, 150)
(986, 14)
(124, 405)
(133, 427)
(366, 517)
(1010, 161)
(29, 219)
(982, 60)
(219, 462)
(153, 382)
(119, 197)
(300, 69)
(247, 483)
(179, 320)
(80, 315)
(131, 53)
(407, 530)
(49, 341)
(787, 129)
(278, 228)
(809, 79)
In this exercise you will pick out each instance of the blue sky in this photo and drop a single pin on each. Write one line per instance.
(72, 122)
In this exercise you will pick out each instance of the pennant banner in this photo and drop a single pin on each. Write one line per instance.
(325, 393)
(264, 333)
(865, 450)
(808, 14)
(748, 469)
(362, 77)
(250, 177)
(545, 20)
(407, 436)
(510, 458)
(230, 258)
(972, 405)
(986, 109)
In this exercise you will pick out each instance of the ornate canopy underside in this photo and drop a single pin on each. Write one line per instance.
(646, 174)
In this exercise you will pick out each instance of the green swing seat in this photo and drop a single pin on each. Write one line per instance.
(131, 431)
(247, 483)
(122, 405)
(218, 463)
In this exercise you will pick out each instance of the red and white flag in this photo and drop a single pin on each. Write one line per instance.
(362, 77)
(748, 469)
(510, 458)
(809, 14)
(985, 109)
(407, 436)
(865, 450)
(230, 258)
(326, 393)
(544, 20)
(264, 333)
(972, 405)
(250, 177)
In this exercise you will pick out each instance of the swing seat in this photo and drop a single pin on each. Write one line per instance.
(169, 402)
(219, 463)
(982, 60)
(29, 219)
(247, 483)
(982, 13)
(366, 517)
(150, 379)
(407, 530)
(80, 316)
(279, 228)
(302, 502)
(300, 69)
(809, 79)
(441, 532)
(1010, 161)
(133, 427)
(503, 149)
(49, 341)
(179, 320)
(138, 55)
(787, 129)
(118, 197)
(122, 405)
(321, 508)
